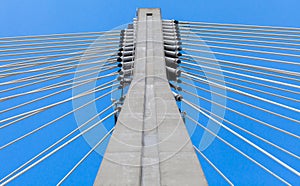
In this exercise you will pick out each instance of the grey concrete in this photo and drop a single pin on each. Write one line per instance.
(150, 145)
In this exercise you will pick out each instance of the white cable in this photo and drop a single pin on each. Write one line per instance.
(72, 35)
(35, 58)
(49, 87)
(239, 151)
(238, 44)
(42, 75)
(242, 30)
(244, 93)
(52, 66)
(55, 104)
(240, 86)
(78, 83)
(261, 35)
(245, 26)
(245, 140)
(48, 78)
(244, 56)
(242, 49)
(241, 69)
(60, 44)
(84, 157)
(251, 118)
(55, 150)
(250, 76)
(60, 140)
(213, 166)
(264, 85)
(51, 51)
(45, 125)
(265, 41)
(286, 72)
(238, 127)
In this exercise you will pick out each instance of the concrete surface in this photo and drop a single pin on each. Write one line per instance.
(150, 145)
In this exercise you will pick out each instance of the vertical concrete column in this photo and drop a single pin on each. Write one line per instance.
(150, 144)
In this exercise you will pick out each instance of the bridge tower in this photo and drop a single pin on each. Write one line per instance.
(150, 144)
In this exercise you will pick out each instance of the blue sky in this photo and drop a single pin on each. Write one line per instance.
(33, 17)
(36, 17)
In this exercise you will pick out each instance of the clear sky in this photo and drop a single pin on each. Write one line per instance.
(37, 17)
(32, 17)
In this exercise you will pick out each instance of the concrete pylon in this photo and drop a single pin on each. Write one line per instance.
(150, 144)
